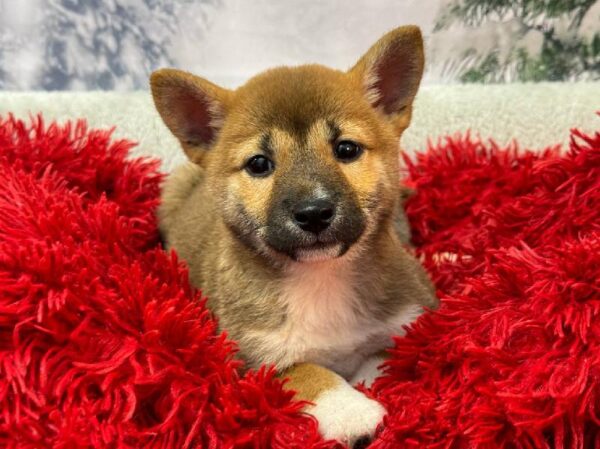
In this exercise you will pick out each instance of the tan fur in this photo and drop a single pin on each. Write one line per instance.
(318, 319)
(310, 380)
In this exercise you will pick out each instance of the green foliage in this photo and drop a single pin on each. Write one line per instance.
(475, 12)
(564, 57)
(482, 73)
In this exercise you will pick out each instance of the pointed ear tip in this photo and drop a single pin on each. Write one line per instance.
(413, 29)
(407, 30)
(162, 76)
(409, 33)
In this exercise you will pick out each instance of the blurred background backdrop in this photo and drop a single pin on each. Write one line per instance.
(115, 44)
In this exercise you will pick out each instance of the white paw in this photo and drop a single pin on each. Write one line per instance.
(368, 371)
(346, 415)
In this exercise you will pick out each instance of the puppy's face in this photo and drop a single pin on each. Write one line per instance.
(303, 162)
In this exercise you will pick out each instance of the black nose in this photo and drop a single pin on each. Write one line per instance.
(314, 215)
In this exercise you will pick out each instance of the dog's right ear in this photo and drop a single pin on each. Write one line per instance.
(192, 108)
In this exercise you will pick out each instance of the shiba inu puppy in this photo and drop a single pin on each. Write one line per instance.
(289, 216)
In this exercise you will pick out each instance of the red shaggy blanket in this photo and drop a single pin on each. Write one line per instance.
(103, 344)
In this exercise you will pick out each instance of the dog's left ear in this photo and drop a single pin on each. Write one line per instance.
(390, 73)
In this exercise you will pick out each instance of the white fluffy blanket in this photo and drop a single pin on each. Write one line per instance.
(535, 114)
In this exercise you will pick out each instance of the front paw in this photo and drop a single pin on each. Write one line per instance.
(347, 415)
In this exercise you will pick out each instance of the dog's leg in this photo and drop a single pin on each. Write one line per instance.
(401, 224)
(370, 369)
(343, 413)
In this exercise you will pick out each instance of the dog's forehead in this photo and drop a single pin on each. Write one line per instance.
(319, 132)
(296, 100)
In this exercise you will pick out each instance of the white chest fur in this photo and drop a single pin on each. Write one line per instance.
(325, 323)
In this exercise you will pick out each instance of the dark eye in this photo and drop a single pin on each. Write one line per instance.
(347, 151)
(259, 165)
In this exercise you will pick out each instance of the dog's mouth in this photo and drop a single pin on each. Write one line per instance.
(315, 250)
(318, 252)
